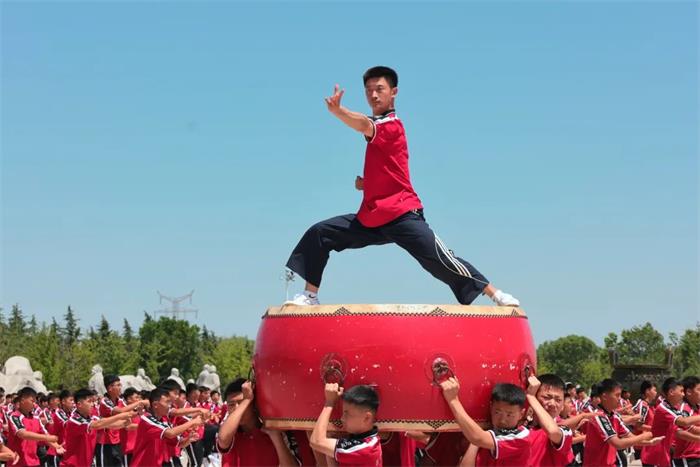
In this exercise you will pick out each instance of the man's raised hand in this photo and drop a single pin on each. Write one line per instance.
(333, 102)
(332, 392)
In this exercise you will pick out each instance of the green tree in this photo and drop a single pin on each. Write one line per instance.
(640, 344)
(169, 343)
(686, 358)
(71, 331)
(232, 357)
(573, 358)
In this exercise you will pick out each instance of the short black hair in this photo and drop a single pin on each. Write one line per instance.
(157, 394)
(26, 392)
(362, 396)
(552, 380)
(595, 390)
(52, 396)
(65, 394)
(669, 384)
(190, 388)
(215, 392)
(645, 386)
(381, 72)
(170, 385)
(579, 390)
(508, 393)
(129, 392)
(569, 386)
(204, 389)
(234, 387)
(689, 382)
(608, 385)
(43, 398)
(109, 380)
(82, 394)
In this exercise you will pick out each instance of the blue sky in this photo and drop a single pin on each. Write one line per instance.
(177, 146)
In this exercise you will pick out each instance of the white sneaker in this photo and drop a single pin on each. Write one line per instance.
(505, 299)
(302, 299)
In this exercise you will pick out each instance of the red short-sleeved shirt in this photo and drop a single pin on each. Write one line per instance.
(665, 416)
(127, 438)
(60, 417)
(387, 191)
(597, 451)
(446, 448)
(687, 449)
(512, 448)
(545, 454)
(106, 409)
(80, 440)
(25, 448)
(151, 447)
(363, 449)
(400, 449)
(249, 448)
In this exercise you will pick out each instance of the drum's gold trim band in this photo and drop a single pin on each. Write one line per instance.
(307, 424)
(462, 311)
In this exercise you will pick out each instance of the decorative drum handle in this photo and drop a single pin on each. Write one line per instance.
(332, 370)
(441, 370)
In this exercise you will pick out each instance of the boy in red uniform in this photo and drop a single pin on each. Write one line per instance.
(550, 444)
(26, 431)
(391, 211)
(363, 446)
(81, 430)
(108, 452)
(607, 434)
(155, 433)
(668, 416)
(687, 450)
(241, 441)
(127, 435)
(507, 443)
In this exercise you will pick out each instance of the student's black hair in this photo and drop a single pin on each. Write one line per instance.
(579, 390)
(145, 394)
(608, 385)
(215, 392)
(82, 394)
(508, 393)
(569, 386)
(170, 385)
(595, 390)
(108, 380)
(689, 382)
(645, 386)
(204, 389)
(2, 390)
(26, 392)
(381, 72)
(43, 398)
(234, 387)
(566, 394)
(52, 396)
(190, 388)
(157, 394)
(552, 380)
(362, 396)
(129, 392)
(669, 384)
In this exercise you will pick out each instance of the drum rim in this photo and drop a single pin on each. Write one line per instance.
(427, 310)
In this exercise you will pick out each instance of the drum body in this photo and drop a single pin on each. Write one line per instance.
(401, 350)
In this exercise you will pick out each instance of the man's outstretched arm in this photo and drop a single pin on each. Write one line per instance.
(354, 120)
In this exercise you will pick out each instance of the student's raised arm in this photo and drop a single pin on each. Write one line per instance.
(547, 423)
(471, 430)
(284, 454)
(319, 440)
(354, 120)
(228, 429)
(469, 459)
(109, 422)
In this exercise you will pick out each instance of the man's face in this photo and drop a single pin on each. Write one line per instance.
(505, 415)
(114, 389)
(215, 398)
(565, 408)
(162, 405)
(204, 396)
(581, 395)
(68, 404)
(651, 393)
(552, 399)
(173, 395)
(84, 406)
(53, 403)
(233, 401)
(675, 395)
(572, 393)
(380, 95)
(26, 404)
(693, 395)
(356, 419)
(194, 395)
(611, 400)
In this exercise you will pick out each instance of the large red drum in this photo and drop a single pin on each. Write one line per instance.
(402, 350)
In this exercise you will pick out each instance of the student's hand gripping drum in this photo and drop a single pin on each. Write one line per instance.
(404, 351)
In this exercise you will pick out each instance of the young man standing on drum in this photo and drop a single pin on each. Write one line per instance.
(391, 211)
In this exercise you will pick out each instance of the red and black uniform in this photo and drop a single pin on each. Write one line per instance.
(25, 448)
(543, 453)
(445, 448)
(363, 449)
(127, 440)
(80, 440)
(687, 453)
(665, 416)
(511, 448)
(598, 451)
(195, 451)
(152, 447)
(390, 212)
(108, 452)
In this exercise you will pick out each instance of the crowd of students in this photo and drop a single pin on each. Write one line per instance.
(548, 424)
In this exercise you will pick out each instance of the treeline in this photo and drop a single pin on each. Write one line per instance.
(65, 353)
(580, 360)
